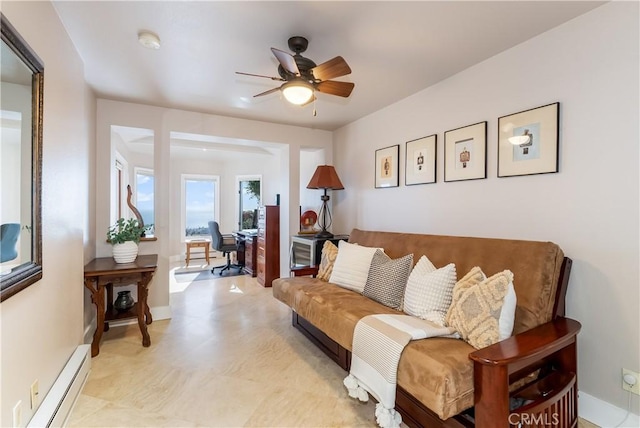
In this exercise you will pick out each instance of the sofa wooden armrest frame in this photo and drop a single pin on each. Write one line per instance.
(551, 346)
(305, 271)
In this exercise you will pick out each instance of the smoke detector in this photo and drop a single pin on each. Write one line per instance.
(149, 40)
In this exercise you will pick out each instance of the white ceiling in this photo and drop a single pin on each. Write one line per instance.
(394, 49)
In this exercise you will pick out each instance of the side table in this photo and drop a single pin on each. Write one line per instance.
(196, 244)
(103, 274)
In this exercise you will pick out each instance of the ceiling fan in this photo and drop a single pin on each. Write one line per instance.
(302, 77)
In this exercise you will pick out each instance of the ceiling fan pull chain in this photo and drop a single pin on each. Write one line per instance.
(315, 113)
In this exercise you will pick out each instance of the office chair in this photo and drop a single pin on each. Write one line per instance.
(9, 233)
(226, 244)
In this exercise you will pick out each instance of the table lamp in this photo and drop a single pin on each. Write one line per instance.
(325, 178)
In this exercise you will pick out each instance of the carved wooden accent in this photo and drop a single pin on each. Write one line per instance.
(133, 207)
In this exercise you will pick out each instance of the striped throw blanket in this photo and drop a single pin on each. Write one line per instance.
(378, 342)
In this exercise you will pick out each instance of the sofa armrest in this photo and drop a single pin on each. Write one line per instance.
(529, 346)
(304, 271)
(496, 366)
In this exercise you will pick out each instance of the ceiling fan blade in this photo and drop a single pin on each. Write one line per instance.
(341, 89)
(331, 69)
(260, 75)
(266, 92)
(287, 61)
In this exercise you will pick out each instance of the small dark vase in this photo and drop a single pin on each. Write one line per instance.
(124, 301)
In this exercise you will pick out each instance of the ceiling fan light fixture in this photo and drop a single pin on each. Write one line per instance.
(149, 40)
(297, 92)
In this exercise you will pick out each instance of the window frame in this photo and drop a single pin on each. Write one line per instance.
(183, 208)
(144, 171)
(239, 179)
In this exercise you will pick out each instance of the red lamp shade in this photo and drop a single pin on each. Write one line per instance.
(325, 177)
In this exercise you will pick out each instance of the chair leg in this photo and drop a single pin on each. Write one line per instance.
(223, 267)
(228, 265)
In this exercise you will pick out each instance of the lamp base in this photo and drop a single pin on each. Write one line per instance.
(324, 234)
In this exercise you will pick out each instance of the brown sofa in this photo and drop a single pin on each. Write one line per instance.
(440, 379)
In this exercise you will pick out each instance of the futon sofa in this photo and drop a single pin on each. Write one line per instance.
(445, 381)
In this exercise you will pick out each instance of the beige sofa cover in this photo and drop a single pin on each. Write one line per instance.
(436, 371)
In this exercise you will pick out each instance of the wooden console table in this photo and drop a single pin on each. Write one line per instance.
(104, 273)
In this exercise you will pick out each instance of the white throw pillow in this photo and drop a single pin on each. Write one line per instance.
(508, 313)
(351, 267)
(428, 293)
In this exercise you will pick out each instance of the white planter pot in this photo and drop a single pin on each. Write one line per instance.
(125, 252)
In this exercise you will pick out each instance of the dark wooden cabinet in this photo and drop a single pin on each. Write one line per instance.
(268, 244)
(250, 252)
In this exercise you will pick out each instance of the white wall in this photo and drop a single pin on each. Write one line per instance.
(42, 325)
(589, 208)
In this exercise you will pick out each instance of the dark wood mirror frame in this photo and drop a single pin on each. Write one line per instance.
(29, 272)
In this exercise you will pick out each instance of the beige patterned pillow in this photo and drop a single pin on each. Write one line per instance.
(474, 277)
(475, 311)
(329, 254)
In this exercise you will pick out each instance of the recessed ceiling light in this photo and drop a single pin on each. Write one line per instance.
(149, 40)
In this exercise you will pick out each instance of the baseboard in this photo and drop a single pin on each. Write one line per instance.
(59, 401)
(88, 331)
(604, 414)
(161, 313)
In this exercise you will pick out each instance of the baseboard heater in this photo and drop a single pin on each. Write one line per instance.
(57, 405)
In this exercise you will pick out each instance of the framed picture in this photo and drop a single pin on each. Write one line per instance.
(420, 161)
(387, 174)
(465, 153)
(528, 142)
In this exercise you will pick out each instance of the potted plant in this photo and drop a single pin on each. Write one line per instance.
(125, 237)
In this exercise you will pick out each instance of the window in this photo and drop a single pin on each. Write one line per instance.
(249, 190)
(200, 204)
(144, 197)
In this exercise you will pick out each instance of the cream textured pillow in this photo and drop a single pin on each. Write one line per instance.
(387, 279)
(329, 254)
(428, 293)
(476, 310)
(351, 267)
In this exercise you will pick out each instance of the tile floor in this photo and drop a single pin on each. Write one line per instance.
(227, 358)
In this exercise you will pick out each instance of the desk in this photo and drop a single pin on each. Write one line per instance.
(247, 250)
(104, 273)
(197, 244)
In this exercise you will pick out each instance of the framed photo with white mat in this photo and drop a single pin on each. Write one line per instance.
(465, 153)
(528, 141)
(420, 161)
(386, 167)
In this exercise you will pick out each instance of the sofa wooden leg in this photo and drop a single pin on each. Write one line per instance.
(491, 396)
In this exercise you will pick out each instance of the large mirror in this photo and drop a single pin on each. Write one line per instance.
(21, 94)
